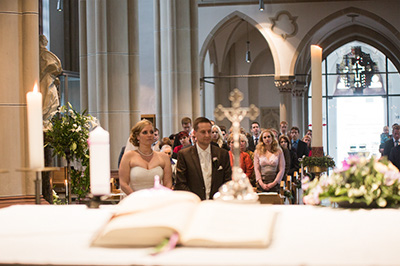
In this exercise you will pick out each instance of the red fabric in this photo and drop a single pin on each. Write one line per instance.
(245, 163)
(178, 148)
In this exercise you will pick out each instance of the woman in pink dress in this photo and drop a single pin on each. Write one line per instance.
(269, 163)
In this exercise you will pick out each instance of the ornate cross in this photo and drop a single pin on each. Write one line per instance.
(235, 114)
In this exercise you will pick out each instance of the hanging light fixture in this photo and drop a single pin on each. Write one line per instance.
(60, 5)
(261, 5)
(248, 57)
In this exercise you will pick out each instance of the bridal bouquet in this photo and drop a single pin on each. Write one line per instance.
(366, 182)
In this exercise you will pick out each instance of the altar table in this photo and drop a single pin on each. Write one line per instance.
(303, 235)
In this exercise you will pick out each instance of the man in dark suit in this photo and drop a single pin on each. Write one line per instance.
(393, 141)
(298, 146)
(253, 140)
(202, 168)
(394, 156)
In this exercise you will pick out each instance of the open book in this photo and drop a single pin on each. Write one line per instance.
(145, 218)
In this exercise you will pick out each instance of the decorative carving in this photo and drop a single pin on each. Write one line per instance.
(284, 24)
(285, 85)
(50, 68)
(270, 117)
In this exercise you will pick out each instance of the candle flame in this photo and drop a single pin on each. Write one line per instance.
(35, 88)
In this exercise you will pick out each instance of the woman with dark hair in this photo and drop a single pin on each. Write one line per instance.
(269, 163)
(138, 167)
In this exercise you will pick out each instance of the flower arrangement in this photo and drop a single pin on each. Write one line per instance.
(324, 161)
(67, 134)
(368, 182)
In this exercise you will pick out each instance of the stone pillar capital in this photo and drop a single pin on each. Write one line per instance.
(285, 83)
(300, 89)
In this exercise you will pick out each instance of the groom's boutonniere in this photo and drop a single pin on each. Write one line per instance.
(215, 162)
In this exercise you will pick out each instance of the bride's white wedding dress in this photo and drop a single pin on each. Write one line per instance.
(142, 178)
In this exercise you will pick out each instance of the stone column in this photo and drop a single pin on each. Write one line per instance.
(299, 109)
(177, 62)
(19, 70)
(285, 85)
(110, 66)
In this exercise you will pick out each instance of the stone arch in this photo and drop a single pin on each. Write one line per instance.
(360, 25)
(235, 16)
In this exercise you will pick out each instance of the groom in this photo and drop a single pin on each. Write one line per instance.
(202, 168)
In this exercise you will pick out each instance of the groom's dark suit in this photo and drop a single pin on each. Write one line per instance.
(190, 177)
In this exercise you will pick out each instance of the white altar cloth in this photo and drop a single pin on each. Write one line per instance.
(303, 235)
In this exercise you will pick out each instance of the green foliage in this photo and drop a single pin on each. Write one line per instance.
(67, 135)
(325, 161)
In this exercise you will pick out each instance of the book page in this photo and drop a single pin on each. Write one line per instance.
(146, 228)
(147, 199)
(220, 224)
(146, 217)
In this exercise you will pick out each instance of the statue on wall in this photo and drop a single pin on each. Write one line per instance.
(50, 68)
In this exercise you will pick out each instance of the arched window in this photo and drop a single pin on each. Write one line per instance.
(361, 94)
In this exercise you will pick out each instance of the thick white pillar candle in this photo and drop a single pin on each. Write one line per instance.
(99, 151)
(35, 128)
(316, 78)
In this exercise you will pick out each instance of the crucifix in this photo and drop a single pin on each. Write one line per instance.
(240, 188)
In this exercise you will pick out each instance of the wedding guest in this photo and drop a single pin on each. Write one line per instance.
(309, 133)
(294, 165)
(283, 141)
(393, 141)
(253, 140)
(298, 146)
(138, 167)
(167, 149)
(384, 137)
(244, 143)
(269, 163)
(283, 128)
(245, 161)
(307, 140)
(217, 138)
(184, 139)
(223, 131)
(202, 168)
(155, 146)
(186, 123)
(164, 141)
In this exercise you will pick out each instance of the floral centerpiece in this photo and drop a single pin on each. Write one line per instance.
(67, 135)
(366, 182)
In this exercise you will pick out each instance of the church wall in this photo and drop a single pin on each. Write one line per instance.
(308, 15)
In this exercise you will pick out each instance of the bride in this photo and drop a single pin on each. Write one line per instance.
(138, 167)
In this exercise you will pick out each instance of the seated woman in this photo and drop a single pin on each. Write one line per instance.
(245, 161)
(138, 167)
(217, 138)
(269, 163)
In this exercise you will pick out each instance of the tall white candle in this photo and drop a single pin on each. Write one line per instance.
(316, 78)
(35, 128)
(99, 151)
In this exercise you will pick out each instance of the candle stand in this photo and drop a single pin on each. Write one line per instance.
(38, 180)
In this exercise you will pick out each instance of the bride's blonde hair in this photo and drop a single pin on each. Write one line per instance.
(135, 131)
